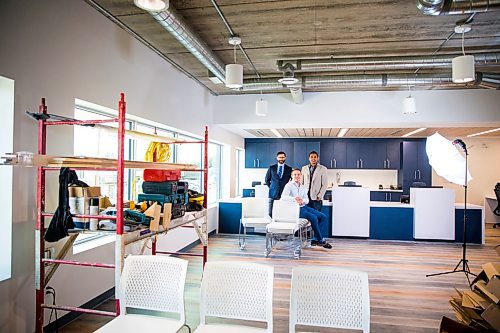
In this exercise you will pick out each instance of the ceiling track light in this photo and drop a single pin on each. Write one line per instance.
(342, 132)
(463, 69)
(261, 106)
(414, 132)
(152, 5)
(234, 72)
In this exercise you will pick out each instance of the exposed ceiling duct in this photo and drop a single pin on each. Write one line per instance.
(353, 81)
(383, 63)
(451, 7)
(173, 22)
(488, 81)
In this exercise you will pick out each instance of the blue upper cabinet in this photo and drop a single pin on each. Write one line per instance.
(352, 155)
(393, 158)
(262, 153)
(333, 153)
(301, 150)
(367, 154)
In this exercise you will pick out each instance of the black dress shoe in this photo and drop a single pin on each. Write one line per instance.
(325, 244)
(315, 242)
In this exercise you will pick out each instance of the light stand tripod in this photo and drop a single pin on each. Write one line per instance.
(463, 262)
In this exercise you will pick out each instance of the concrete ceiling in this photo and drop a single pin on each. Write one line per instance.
(304, 29)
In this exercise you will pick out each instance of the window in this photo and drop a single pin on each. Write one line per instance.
(240, 164)
(6, 146)
(214, 172)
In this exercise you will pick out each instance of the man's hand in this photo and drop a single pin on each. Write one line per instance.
(299, 201)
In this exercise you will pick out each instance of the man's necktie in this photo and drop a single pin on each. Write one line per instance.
(280, 171)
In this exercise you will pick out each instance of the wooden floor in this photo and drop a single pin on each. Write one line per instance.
(402, 298)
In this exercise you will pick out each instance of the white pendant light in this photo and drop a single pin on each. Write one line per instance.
(462, 67)
(234, 72)
(152, 5)
(261, 107)
(409, 104)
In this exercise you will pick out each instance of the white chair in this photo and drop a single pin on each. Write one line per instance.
(153, 283)
(285, 223)
(236, 290)
(253, 215)
(329, 297)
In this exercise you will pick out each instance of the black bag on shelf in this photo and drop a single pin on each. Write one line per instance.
(62, 219)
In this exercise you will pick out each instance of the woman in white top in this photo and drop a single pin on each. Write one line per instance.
(295, 191)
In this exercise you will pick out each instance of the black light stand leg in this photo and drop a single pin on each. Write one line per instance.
(463, 262)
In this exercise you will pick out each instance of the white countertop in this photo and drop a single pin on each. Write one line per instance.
(389, 204)
(386, 190)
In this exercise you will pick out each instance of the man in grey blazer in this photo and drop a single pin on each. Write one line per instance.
(315, 179)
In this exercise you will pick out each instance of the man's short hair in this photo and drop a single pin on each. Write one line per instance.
(281, 152)
(313, 152)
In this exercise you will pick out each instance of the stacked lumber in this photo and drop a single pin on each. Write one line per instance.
(479, 307)
(87, 162)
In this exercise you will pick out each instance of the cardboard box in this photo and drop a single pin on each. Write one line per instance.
(89, 192)
(492, 316)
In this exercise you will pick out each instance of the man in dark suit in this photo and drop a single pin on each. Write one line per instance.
(277, 176)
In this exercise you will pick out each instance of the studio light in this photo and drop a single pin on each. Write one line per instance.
(234, 72)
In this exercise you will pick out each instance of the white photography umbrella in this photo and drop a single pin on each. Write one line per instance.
(446, 160)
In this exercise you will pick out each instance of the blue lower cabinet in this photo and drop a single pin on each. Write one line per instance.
(474, 226)
(326, 229)
(391, 223)
(229, 217)
(248, 192)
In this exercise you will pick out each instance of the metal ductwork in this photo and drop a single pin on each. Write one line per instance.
(488, 81)
(452, 7)
(173, 22)
(383, 63)
(353, 81)
(377, 80)
(297, 96)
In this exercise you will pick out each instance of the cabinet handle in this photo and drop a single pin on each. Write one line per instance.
(390, 196)
(385, 164)
(357, 164)
(415, 174)
(419, 174)
(258, 163)
(388, 164)
(386, 197)
(331, 164)
(335, 163)
(361, 163)
(254, 163)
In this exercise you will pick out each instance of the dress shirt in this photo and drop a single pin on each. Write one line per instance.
(293, 190)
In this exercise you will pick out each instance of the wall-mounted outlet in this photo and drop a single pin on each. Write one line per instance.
(50, 253)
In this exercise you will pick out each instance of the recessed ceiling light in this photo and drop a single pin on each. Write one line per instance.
(415, 132)
(485, 132)
(342, 132)
(275, 132)
(152, 5)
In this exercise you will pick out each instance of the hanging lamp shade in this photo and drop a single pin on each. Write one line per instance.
(409, 105)
(152, 5)
(463, 69)
(234, 76)
(261, 107)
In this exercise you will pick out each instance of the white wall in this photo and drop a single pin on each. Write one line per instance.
(473, 107)
(62, 50)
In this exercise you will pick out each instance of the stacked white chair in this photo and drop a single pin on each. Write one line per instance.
(253, 215)
(153, 283)
(285, 223)
(235, 290)
(329, 297)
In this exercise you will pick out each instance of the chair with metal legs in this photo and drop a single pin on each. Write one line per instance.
(285, 224)
(253, 215)
(496, 211)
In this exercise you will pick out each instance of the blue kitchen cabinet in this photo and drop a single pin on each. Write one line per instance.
(391, 223)
(385, 196)
(257, 154)
(415, 165)
(393, 148)
(229, 217)
(365, 154)
(474, 226)
(333, 153)
(248, 192)
(301, 150)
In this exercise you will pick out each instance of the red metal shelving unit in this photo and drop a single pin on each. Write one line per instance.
(120, 243)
